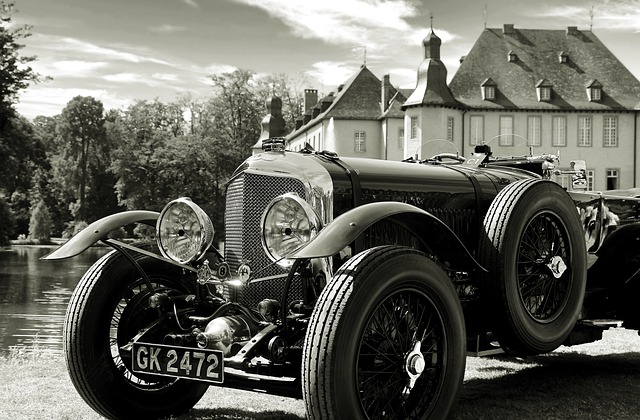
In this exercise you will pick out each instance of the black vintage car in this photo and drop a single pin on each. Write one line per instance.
(358, 285)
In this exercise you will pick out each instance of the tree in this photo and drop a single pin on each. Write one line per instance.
(289, 89)
(40, 223)
(82, 131)
(7, 226)
(15, 73)
(238, 111)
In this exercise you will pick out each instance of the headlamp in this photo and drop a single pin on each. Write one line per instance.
(288, 223)
(185, 231)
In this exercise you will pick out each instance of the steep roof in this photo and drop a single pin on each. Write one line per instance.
(537, 58)
(395, 105)
(357, 99)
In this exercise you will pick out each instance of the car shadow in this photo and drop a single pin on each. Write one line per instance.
(557, 385)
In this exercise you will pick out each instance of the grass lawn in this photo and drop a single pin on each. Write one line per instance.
(593, 381)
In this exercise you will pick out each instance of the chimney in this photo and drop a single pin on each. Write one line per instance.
(508, 29)
(572, 30)
(386, 92)
(310, 98)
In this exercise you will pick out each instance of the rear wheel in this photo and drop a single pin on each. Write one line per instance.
(385, 341)
(107, 309)
(535, 252)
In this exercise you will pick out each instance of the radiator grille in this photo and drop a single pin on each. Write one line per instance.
(247, 197)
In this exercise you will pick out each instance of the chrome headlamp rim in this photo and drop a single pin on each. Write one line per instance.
(314, 221)
(203, 239)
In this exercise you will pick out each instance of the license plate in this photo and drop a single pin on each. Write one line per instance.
(179, 362)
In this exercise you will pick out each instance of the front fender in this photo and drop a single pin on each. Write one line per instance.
(431, 230)
(99, 230)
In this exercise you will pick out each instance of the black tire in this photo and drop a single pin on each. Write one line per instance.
(107, 308)
(535, 252)
(362, 337)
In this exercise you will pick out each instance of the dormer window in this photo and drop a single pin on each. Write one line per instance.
(563, 58)
(543, 89)
(594, 91)
(512, 57)
(488, 90)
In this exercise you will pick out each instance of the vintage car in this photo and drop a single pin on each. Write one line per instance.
(359, 285)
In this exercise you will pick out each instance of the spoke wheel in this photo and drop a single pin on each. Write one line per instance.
(385, 341)
(544, 288)
(393, 380)
(535, 252)
(107, 309)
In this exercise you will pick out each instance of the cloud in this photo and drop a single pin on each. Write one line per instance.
(331, 73)
(375, 23)
(50, 101)
(76, 68)
(126, 78)
(191, 3)
(78, 47)
(166, 77)
(167, 28)
(615, 15)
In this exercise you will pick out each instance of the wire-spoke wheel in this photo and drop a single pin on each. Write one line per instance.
(385, 341)
(107, 309)
(544, 250)
(535, 253)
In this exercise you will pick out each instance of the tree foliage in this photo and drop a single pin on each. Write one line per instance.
(94, 163)
(15, 72)
(40, 224)
(82, 131)
(7, 227)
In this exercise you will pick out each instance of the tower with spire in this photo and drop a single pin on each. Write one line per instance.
(431, 110)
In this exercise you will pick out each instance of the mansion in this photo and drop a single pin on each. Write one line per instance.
(520, 91)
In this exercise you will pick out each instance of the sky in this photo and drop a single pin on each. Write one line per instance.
(119, 51)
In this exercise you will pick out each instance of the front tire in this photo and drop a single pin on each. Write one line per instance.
(107, 308)
(386, 340)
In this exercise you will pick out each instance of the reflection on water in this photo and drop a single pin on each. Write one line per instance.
(34, 295)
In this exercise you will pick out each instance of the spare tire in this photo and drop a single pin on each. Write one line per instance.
(534, 250)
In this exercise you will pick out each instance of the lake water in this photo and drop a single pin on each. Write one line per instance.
(34, 296)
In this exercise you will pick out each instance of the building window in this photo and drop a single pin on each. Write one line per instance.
(360, 142)
(414, 127)
(563, 57)
(559, 132)
(488, 88)
(610, 137)
(584, 131)
(612, 179)
(545, 93)
(476, 133)
(450, 121)
(594, 91)
(543, 89)
(590, 179)
(489, 92)
(506, 131)
(400, 138)
(534, 131)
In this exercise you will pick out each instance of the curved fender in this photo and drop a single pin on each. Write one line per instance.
(348, 226)
(98, 230)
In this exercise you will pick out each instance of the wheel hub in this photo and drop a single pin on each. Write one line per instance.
(557, 266)
(414, 366)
